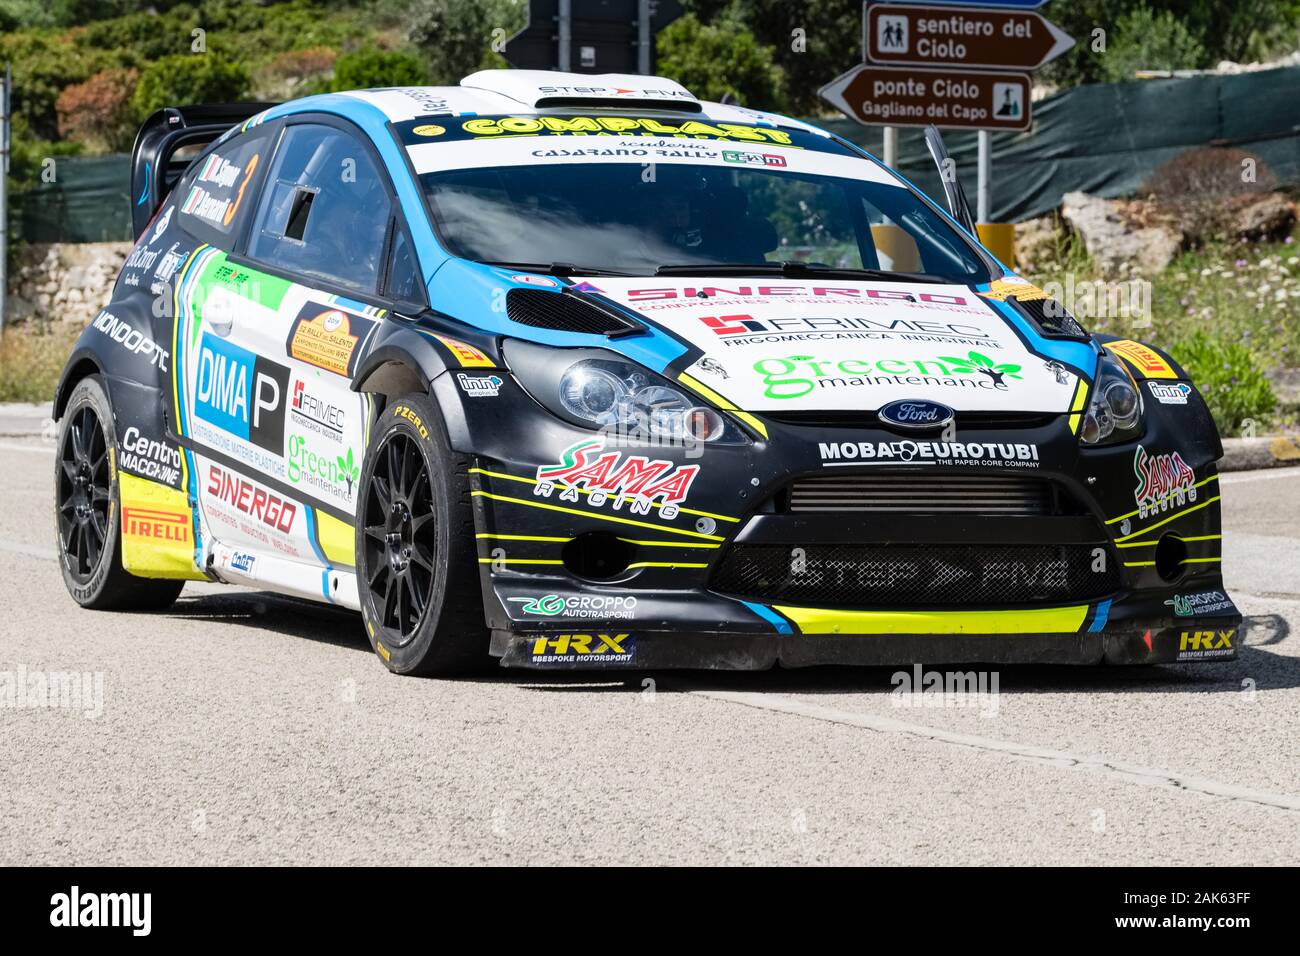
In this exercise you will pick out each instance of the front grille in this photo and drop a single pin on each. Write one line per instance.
(565, 312)
(869, 419)
(927, 494)
(917, 577)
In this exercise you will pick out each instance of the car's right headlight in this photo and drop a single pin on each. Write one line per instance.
(600, 390)
(1115, 407)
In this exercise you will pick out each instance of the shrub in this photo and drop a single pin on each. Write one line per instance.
(368, 69)
(186, 79)
(1196, 187)
(1231, 381)
(31, 359)
(97, 112)
(1147, 40)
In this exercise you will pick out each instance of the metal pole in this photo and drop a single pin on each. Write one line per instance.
(984, 188)
(891, 146)
(4, 183)
(566, 33)
(643, 37)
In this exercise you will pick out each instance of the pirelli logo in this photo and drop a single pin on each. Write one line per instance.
(1144, 360)
(156, 525)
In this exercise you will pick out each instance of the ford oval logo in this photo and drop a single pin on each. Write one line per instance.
(915, 414)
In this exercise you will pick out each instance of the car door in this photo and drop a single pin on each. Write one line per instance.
(283, 325)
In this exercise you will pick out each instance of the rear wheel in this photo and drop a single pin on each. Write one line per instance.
(87, 515)
(417, 566)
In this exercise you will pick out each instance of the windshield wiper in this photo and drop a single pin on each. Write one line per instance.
(794, 270)
(556, 268)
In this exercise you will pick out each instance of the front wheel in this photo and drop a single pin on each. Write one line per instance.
(87, 515)
(417, 565)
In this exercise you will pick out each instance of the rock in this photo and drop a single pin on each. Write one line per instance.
(1259, 217)
(1114, 243)
(1286, 386)
(1037, 241)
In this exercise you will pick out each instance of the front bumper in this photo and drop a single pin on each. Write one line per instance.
(667, 608)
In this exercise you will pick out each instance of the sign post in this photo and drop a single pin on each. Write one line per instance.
(590, 36)
(957, 64)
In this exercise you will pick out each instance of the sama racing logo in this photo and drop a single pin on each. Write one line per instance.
(610, 478)
(1163, 481)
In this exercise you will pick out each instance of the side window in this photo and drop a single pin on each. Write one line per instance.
(325, 209)
(211, 197)
(404, 281)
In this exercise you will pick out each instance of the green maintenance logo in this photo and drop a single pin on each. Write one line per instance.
(305, 467)
(796, 375)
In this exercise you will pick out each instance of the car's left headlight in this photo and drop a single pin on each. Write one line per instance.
(1115, 407)
(600, 390)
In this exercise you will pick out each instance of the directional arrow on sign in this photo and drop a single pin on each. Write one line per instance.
(954, 36)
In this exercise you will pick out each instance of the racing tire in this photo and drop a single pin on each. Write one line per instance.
(88, 512)
(417, 560)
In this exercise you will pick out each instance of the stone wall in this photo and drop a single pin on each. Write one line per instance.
(63, 282)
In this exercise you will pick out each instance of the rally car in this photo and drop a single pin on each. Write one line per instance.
(583, 372)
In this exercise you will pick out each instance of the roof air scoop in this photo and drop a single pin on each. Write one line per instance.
(540, 89)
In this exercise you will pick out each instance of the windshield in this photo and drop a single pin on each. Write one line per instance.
(635, 205)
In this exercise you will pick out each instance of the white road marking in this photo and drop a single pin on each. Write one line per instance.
(1125, 772)
(15, 446)
(1236, 479)
(28, 550)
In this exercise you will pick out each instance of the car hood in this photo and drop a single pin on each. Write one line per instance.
(825, 345)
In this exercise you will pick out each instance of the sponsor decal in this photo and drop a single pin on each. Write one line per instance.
(163, 222)
(752, 159)
(465, 354)
(1205, 602)
(1167, 393)
(167, 266)
(327, 338)
(713, 367)
(404, 411)
(150, 458)
(139, 261)
(578, 605)
(242, 561)
(733, 330)
(1024, 290)
(584, 649)
(316, 414)
(334, 474)
(156, 524)
(586, 287)
(131, 339)
(429, 129)
(610, 478)
(796, 375)
(479, 386)
(488, 127)
(916, 414)
(241, 393)
(988, 454)
(252, 499)
(1164, 481)
(1205, 645)
(812, 293)
(1145, 361)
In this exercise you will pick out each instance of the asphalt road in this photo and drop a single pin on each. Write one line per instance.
(247, 728)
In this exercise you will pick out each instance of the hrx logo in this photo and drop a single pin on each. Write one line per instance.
(584, 648)
(1200, 645)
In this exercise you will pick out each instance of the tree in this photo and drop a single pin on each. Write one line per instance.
(373, 68)
(457, 37)
(97, 113)
(188, 78)
(722, 60)
(1145, 40)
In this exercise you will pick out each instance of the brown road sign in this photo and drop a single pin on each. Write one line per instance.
(956, 99)
(959, 36)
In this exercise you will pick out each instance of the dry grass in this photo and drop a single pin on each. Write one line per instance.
(31, 358)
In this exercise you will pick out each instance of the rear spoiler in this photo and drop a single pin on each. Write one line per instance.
(155, 167)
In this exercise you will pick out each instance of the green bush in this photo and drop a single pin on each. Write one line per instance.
(721, 59)
(1229, 378)
(188, 78)
(368, 69)
(1146, 40)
